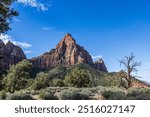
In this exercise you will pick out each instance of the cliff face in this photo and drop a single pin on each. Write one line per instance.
(66, 53)
(10, 54)
(100, 65)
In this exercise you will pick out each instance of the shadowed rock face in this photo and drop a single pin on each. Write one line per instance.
(10, 54)
(66, 53)
(100, 65)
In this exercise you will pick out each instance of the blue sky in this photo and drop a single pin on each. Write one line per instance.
(108, 28)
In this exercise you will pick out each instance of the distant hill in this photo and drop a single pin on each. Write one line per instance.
(98, 78)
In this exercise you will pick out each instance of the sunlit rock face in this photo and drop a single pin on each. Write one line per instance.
(66, 53)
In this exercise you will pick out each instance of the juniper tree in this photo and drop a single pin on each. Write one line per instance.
(18, 76)
(6, 15)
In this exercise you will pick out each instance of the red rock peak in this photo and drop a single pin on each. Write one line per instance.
(67, 40)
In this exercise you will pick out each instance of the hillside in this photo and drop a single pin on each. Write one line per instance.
(97, 78)
(50, 85)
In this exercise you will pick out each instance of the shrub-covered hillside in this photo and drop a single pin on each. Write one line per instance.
(76, 82)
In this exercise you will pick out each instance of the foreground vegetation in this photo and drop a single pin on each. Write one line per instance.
(69, 93)
(78, 82)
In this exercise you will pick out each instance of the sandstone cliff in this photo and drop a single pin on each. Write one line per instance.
(100, 65)
(10, 54)
(66, 53)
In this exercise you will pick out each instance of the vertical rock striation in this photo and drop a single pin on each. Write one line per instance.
(66, 53)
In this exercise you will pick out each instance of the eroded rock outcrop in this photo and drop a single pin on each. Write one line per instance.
(10, 54)
(100, 65)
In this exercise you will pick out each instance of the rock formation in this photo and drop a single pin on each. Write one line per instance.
(10, 54)
(100, 65)
(66, 53)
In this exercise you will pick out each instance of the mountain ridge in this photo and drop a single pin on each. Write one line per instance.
(10, 55)
(66, 53)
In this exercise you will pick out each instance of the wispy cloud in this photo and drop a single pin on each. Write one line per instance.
(5, 38)
(28, 52)
(16, 19)
(37, 4)
(96, 57)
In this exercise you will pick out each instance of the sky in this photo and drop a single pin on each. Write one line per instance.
(110, 29)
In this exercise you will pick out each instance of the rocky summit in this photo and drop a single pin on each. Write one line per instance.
(10, 54)
(66, 53)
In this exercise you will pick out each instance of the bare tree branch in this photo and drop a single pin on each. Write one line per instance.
(130, 66)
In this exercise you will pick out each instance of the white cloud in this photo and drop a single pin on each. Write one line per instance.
(5, 38)
(36, 4)
(28, 52)
(97, 57)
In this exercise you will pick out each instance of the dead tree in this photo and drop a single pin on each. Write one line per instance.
(130, 66)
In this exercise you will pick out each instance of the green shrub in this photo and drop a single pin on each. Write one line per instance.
(41, 81)
(58, 72)
(71, 95)
(58, 83)
(138, 94)
(113, 94)
(17, 76)
(77, 78)
(47, 96)
(32, 92)
(19, 96)
(3, 95)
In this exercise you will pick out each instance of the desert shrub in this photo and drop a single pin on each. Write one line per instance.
(41, 81)
(30, 83)
(58, 72)
(58, 83)
(47, 96)
(54, 90)
(77, 78)
(32, 92)
(95, 76)
(72, 95)
(88, 91)
(99, 89)
(138, 94)
(72, 89)
(51, 89)
(113, 94)
(19, 96)
(3, 95)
